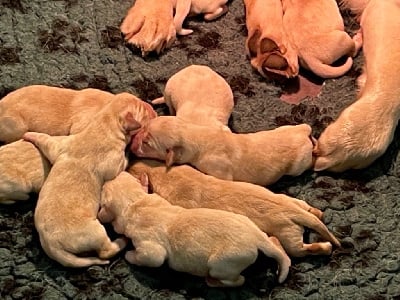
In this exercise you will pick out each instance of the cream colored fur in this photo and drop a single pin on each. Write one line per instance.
(23, 170)
(267, 44)
(211, 9)
(199, 95)
(65, 215)
(276, 214)
(364, 130)
(51, 110)
(210, 243)
(315, 29)
(149, 25)
(261, 158)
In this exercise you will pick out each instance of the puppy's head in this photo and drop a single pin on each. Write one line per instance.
(160, 142)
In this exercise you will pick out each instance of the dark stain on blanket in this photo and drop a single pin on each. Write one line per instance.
(111, 37)
(209, 40)
(81, 81)
(310, 114)
(9, 55)
(62, 35)
(241, 84)
(146, 89)
(13, 4)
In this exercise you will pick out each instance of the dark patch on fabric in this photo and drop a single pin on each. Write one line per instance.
(111, 37)
(9, 55)
(241, 84)
(99, 82)
(209, 40)
(62, 35)
(13, 4)
(146, 89)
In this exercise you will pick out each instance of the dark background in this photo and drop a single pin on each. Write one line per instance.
(77, 44)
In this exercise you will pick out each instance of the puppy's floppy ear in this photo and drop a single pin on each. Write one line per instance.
(129, 123)
(144, 181)
(173, 155)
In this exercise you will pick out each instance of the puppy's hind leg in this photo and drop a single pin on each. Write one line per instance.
(11, 129)
(216, 14)
(147, 254)
(182, 9)
(225, 267)
(49, 145)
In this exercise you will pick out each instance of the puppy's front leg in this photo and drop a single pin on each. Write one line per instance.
(49, 145)
(147, 254)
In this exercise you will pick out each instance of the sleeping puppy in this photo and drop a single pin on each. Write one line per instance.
(68, 203)
(203, 242)
(267, 44)
(23, 170)
(316, 30)
(211, 9)
(364, 130)
(51, 110)
(276, 214)
(260, 158)
(199, 95)
(149, 25)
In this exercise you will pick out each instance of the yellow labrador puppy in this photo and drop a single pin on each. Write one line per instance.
(199, 95)
(51, 110)
(66, 212)
(267, 44)
(260, 158)
(316, 30)
(210, 243)
(23, 169)
(364, 130)
(276, 214)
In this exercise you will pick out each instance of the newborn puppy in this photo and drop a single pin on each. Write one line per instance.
(51, 110)
(276, 214)
(267, 44)
(211, 9)
(23, 170)
(65, 216)
(149, 25)
(316, 30)
(364, 130)
(199, 95)
(210, 243)
(261, 158)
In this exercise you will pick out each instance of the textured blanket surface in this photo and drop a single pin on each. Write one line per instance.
(78, 44)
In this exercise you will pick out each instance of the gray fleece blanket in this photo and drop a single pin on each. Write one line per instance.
(77, 44)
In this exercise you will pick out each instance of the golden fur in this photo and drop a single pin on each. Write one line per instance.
(261, 158)
(199, 95)
(276, 214)
(65, 215)
(364, 130)
(315, 29)
(51, 110)
(210, 243)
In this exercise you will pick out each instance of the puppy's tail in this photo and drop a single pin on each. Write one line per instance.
(68, 259)
(271, 247)
(304, 218)
(160, 100)
(327, 71)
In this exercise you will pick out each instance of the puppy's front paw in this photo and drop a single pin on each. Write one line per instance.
(149, 25)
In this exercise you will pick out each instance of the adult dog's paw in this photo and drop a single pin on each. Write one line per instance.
(149, 25)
